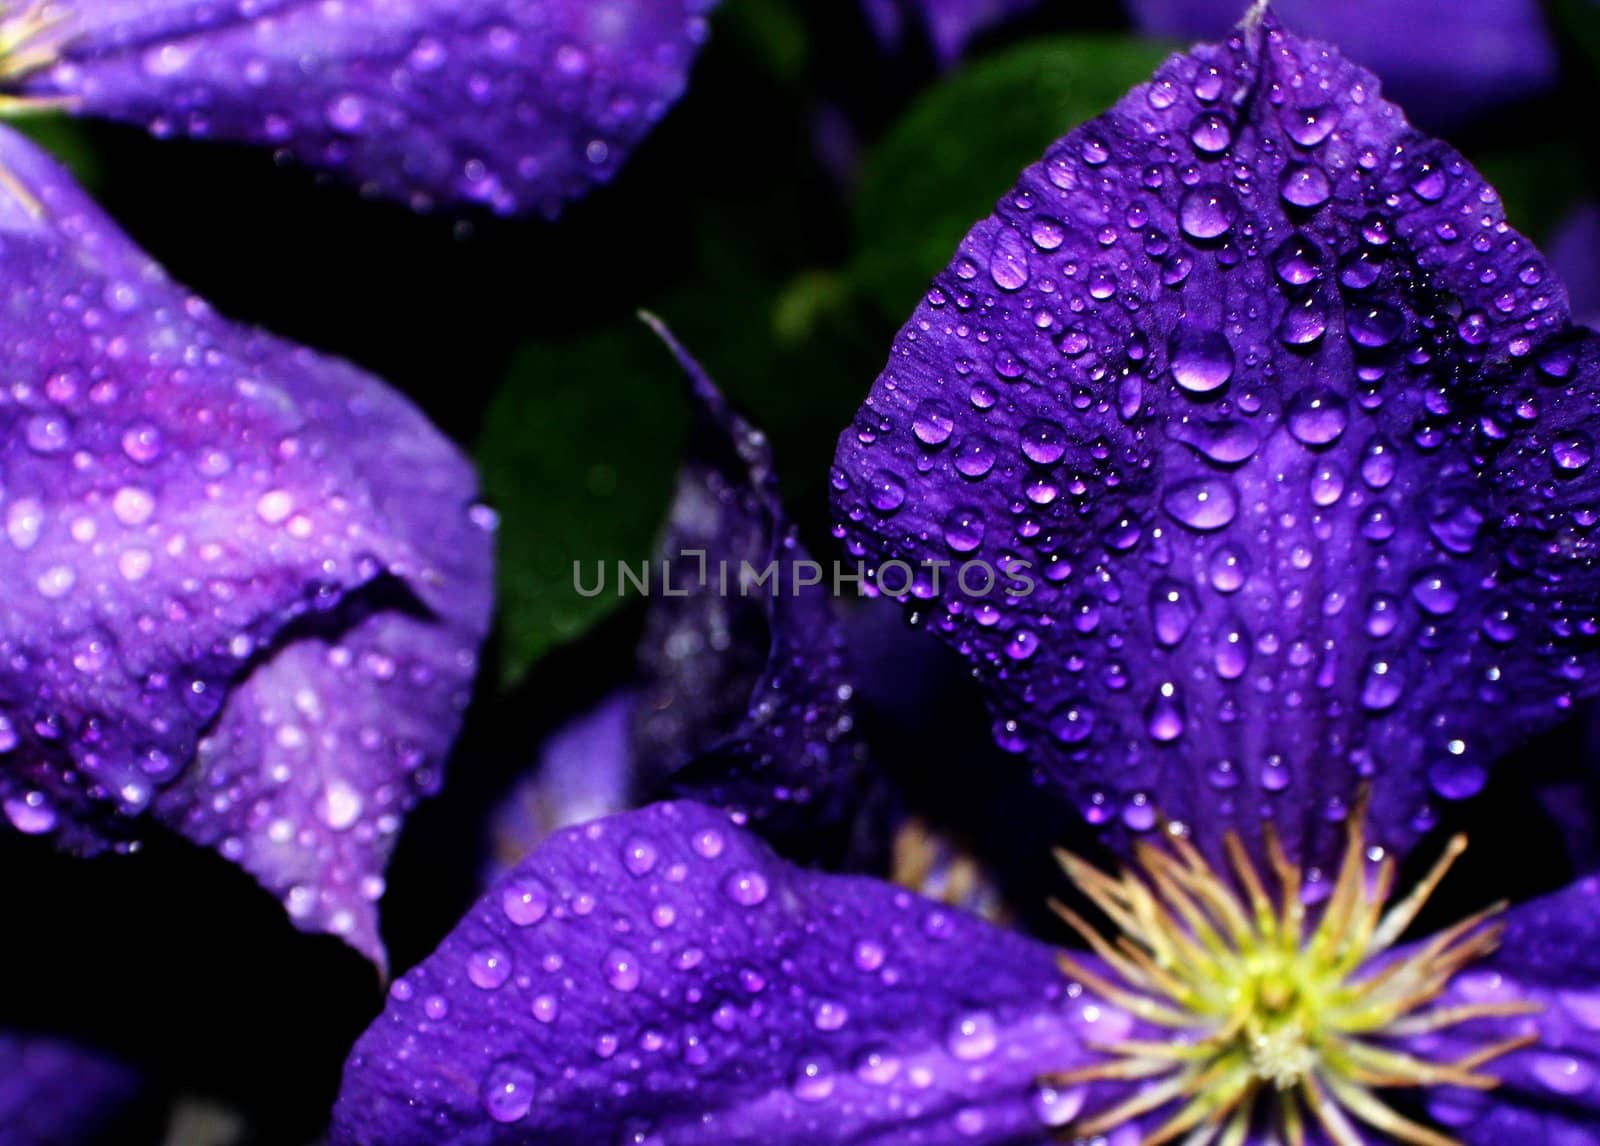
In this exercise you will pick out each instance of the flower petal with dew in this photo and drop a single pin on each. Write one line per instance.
(1292, 435)
(661, 976)
(246, 583)
(1446, 61)
(514, 105)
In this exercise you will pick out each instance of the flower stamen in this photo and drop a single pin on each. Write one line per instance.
(1273, 1016)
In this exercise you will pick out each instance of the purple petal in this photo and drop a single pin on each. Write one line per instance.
(514, 105)
(1276, 442)
(1445, 61)
(58, 1093)
(1550, 1091)
(249, 581)
(1575, 254)
(662, 977)
(747, 697)
(949, 25)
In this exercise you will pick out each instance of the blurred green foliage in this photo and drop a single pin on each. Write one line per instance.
(943, 166)
(66, 139)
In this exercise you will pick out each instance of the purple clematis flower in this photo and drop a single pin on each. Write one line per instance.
(1290, 430)
(244, 584)
(516, 104)
(1444, 61)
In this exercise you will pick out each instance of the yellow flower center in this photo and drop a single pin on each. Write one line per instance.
(1272, 1018)
(29, 40)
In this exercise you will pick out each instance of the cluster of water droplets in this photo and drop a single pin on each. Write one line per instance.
(1218, 373)
(666, 951)
(515, 106)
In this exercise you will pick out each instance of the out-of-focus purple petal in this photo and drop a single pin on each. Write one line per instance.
(520, 106)
(662, 975)
(747, 694)
(58, 1093)
(1550, 1090)
(1444, 61)
(1276, 440)
(1575, 255)
(584, 772)
(246, 583)
(949, 25)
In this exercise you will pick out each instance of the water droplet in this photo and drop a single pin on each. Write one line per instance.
(1202, 358)
(887, 492)
(1073, 722)
(1318, 419)
(621, 969)
(1436, 592)
(746, 888)
(1211, 132)
(1572, 452)
(1204, 504)
(932, 423)
(488, 968)
(964, 529)
(1306, 186)
(507, 1093)
(1163, 716)
(1297, 260)
(1309, 126)
(975, 457)
(972, 1036)
(1207, 211)
(1172, 611)
(525, 901)
(813, 1079)
(1043, 442)
(639, 856)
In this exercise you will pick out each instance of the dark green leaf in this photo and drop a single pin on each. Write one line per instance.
(578, 454)
(66, 139)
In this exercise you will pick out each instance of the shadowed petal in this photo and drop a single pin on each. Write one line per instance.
(949, 25)
(57, 1093)
(1282, 430)
(1575, 254)
(1550, 1091)
(584, 771)
(747, 693)
(1443, 60)
(661, 975)
(520, 106)
(246, 583)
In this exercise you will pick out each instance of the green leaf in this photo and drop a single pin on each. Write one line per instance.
(946, 163)
(579, 453)
(66, 139)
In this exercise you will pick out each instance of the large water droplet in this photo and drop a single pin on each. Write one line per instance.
(507, 1092)
(1207, 211)
(1202, 358)
(1204, 504)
